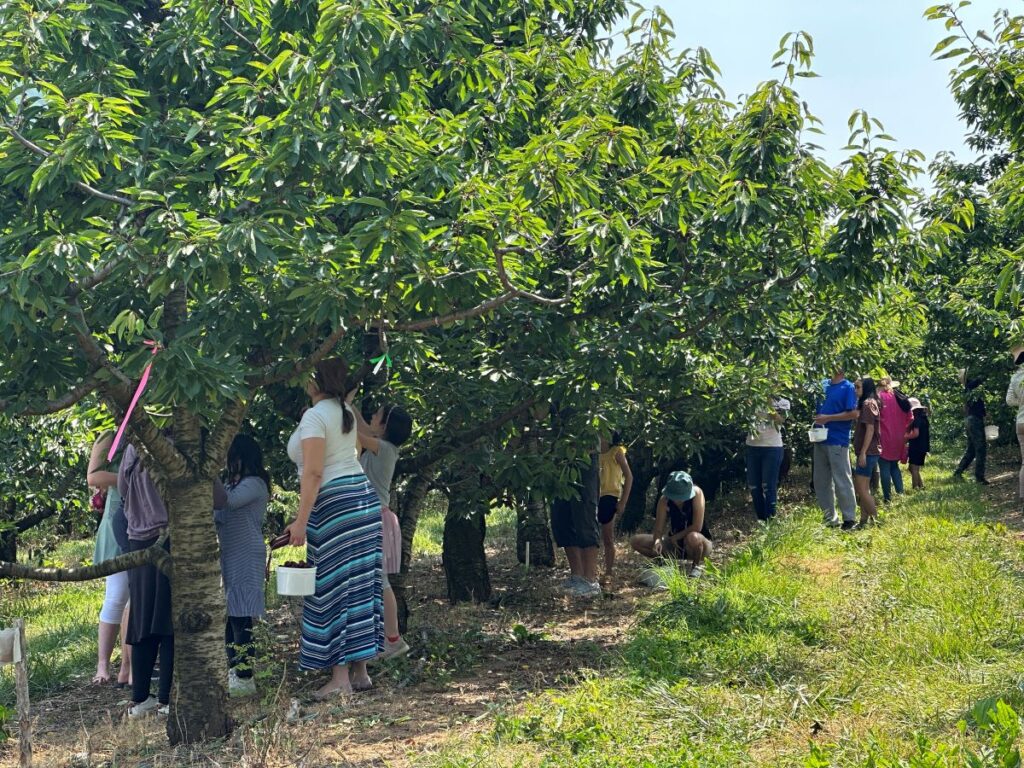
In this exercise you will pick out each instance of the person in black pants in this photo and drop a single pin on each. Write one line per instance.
(974, 425)
(150, 628)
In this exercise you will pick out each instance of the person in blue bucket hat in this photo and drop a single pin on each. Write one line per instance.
(680, 529)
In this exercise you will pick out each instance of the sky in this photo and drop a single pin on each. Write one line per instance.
(870, 54)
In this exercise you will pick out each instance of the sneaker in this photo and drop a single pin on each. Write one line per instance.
(571, 584)
(982, 481)
(850, 525)
(833, 523)
(586, 590)
(240, 686)
(143, 708)
(697, 572)
(651, 578)
(395, 649)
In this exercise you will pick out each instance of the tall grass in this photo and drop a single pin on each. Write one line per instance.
(60, 625)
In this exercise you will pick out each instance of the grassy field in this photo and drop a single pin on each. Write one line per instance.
(811, 647)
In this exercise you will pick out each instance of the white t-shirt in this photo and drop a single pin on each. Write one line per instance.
(324, 420)
(767, 434)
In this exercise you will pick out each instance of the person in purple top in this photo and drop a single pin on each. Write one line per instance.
(833, 476)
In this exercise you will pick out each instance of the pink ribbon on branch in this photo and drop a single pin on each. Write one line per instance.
(155, 347)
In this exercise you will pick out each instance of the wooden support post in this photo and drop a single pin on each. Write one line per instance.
(21, 690)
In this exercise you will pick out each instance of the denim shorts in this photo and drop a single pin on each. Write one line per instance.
(868, 470)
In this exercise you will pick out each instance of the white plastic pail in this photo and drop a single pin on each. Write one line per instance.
(296, 581)
(817, 434)
(992, 432)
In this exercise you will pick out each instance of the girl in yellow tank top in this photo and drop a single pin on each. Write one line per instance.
(616, 482)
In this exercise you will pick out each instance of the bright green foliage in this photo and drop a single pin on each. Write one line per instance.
(294, 167)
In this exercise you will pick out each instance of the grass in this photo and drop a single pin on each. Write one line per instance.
(60, 625)
(897, 646)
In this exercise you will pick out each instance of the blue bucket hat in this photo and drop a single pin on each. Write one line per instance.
(679, 487)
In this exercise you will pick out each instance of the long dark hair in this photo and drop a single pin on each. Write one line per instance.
(245, 459)
(867, 390)
(331, 377)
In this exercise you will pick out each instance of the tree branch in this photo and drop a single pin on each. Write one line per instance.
(217, 444)
(499, 260)
(120, 392)
(452, 317)
(96, 277)
(88, 385)
(434, 453)
(307, 363)
(90, 190)
(152, 555)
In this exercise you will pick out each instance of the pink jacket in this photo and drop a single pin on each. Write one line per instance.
(893, 425)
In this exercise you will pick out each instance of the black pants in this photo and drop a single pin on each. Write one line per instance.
(977, 448)
(238, 638)
(144, 654)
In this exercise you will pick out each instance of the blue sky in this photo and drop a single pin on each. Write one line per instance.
(871, 54)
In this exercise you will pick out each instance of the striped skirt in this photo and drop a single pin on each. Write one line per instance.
(344, 620)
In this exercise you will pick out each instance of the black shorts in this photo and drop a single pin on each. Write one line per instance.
(574, 524)
(606, 507)
(917, 457)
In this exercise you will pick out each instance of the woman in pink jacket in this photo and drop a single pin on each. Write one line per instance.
(893, 425)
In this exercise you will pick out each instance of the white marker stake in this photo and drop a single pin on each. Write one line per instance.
(527, 563)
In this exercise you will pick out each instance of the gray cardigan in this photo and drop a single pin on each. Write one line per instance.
(143, 508)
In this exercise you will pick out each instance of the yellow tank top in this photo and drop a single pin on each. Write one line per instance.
(612, 478)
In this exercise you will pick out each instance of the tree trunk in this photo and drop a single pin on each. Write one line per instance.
(410, 503)
(463, 555)
(9, 545)
(199, 697)
(533, 529)
(641, 463)
(532, 515)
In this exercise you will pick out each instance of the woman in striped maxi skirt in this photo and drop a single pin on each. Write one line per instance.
(339, 517)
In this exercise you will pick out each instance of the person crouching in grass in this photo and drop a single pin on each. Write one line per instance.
(680, 529)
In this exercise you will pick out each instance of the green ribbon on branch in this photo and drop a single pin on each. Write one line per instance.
(385, 358)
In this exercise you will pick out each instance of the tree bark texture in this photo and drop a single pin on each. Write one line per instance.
(199, 694)
(533, 528)
(463, 555)
(154, 554)
(532, 518)
(410, 503)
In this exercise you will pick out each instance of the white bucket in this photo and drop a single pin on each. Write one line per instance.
(296, 581)
(8, 637)
(992, 432)
(817, 434)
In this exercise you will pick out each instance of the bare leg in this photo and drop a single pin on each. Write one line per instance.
(588, 556)
(339, 681)
(608, 539)
(390, 613)
(643, 543)
(107, 636)
(915, 475)
(125, 673)
(575, 558)
(868, 508)
(697, 548)
(358, 676)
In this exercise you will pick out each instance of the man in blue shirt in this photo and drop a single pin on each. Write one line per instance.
(833, 478)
